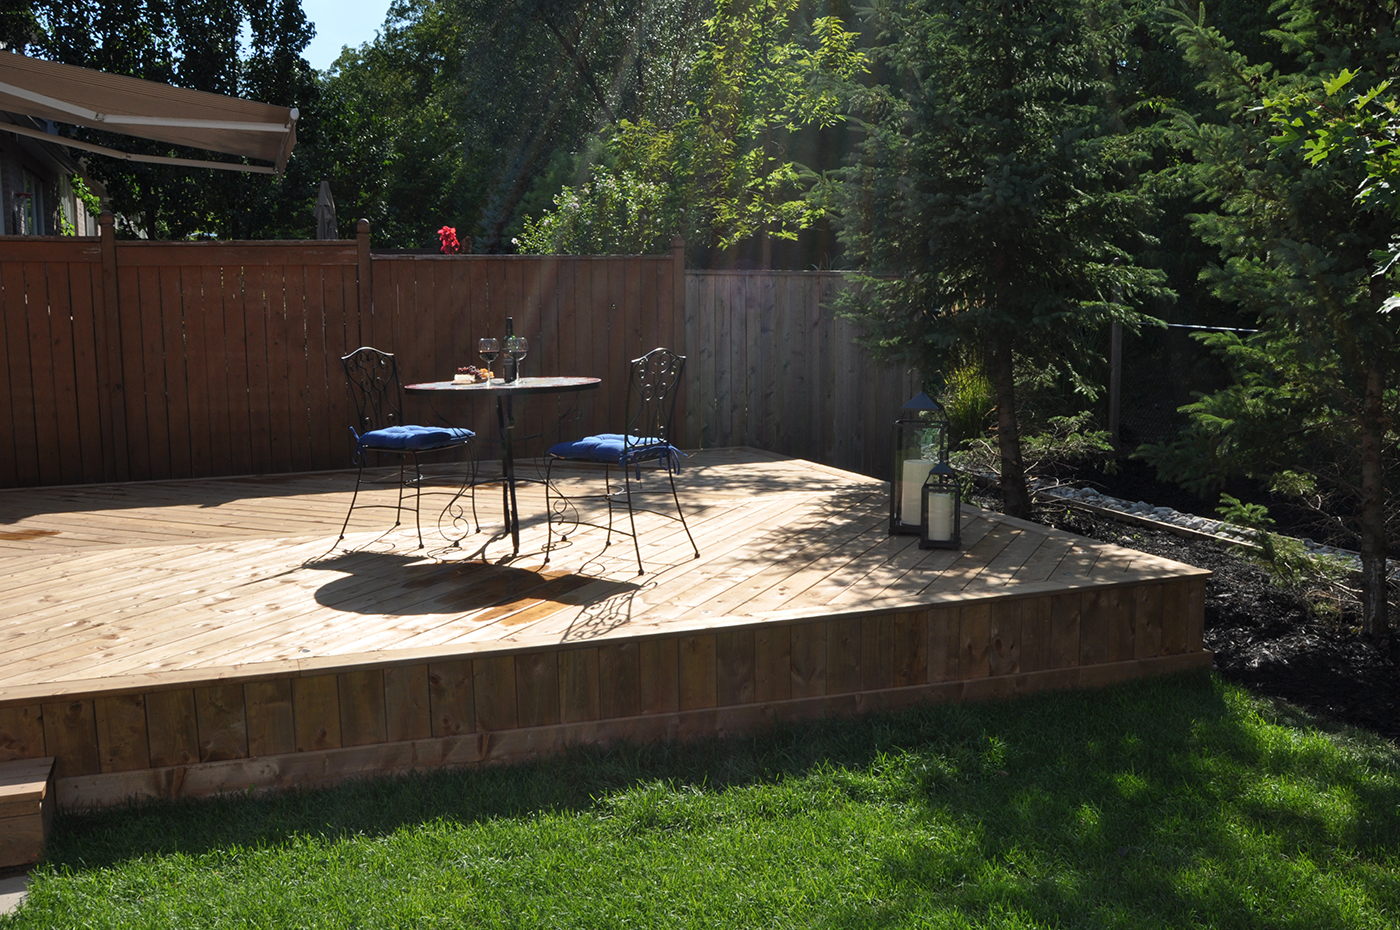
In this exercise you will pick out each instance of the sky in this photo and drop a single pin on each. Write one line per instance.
(340, 23)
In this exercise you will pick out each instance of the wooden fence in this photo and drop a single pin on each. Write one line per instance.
(772, 366)
(145, 360)
(141, 360)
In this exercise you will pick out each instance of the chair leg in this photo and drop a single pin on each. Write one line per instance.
(548, 512)
(398, 508)
(686, 526)
(608, 494)
(353, 497)
(476, 466)
(418, 498)
(631, 519)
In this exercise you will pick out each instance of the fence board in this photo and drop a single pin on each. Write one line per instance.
(172, 347)
(294, 288)
(199, 379)
(41, 371)
(240, 422)
(255, 327)
(87, 382)
(279, 352)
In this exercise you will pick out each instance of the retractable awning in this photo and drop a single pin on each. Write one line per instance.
(147, 110)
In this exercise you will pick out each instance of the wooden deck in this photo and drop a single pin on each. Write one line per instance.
(189, 637)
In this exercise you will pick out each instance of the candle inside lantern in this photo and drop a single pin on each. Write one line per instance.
(915, 471)
(940, 517)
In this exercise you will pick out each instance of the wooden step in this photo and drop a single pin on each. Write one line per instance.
(26, 810)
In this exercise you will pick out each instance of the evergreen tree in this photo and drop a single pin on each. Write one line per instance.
(994, 204)
(1315, 398)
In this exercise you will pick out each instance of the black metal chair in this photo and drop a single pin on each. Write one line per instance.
(379, 427)
(651, 404)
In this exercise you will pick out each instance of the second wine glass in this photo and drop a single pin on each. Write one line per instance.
(517, 347)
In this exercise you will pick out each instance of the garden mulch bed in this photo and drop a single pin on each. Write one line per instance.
(1269, 639)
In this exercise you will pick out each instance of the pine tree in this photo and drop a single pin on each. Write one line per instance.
(1315, 401)
(995, 203)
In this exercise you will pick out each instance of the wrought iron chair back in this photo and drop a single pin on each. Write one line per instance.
(375, 389)
(651, 395)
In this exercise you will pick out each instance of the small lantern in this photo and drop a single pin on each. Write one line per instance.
(940, 526)
(920, 443)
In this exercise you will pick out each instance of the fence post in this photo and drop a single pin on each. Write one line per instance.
(111, 392)
(365, 281)
(679, 327)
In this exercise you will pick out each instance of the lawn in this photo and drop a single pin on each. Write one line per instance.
(1174, 802)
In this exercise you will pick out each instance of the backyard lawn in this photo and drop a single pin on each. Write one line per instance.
(1173, 802)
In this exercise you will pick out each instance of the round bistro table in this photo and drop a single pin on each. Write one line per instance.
(505, 394)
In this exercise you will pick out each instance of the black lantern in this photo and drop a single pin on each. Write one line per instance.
(940, 526)
(920, 443)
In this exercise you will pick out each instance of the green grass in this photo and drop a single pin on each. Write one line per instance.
(1177, 802)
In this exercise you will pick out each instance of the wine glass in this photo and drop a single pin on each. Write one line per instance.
(517, 346)
(489, 348)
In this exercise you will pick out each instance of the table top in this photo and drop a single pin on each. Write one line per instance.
(555, 385)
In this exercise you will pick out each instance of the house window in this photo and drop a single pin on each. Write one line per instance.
(32, 208)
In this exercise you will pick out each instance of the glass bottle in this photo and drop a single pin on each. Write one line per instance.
(510, 367)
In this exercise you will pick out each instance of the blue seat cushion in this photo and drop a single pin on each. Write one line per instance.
(414, 438)
(610, 448)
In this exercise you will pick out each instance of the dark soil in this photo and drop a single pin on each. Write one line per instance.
(1272, 640)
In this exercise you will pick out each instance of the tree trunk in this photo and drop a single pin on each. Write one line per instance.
(1374, 622)
(1016, 499)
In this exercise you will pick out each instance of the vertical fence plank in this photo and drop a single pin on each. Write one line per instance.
(200, 377)
(116, 462)
(256, 312)
(18, 466)
(88, 365)
(240, 423)
(322, 365)
(41, 373)
(342, 338)
(133, 370)
(602, 337)
(65, 388)
(294, 291)
(166, 280)
(279, 351)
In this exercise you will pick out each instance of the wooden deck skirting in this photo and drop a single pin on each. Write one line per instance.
(236, 662)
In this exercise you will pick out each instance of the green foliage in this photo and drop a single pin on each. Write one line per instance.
(472, 113)
(616, 213)
(1313, 393)
(715, 172)
(967, 399)
(1287, 560)
(1061, 440)
(1162, 803)
(1361, 128)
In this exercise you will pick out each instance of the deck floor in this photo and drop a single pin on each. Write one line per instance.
(127, 585)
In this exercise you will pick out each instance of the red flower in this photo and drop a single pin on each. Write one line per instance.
(448, 236)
